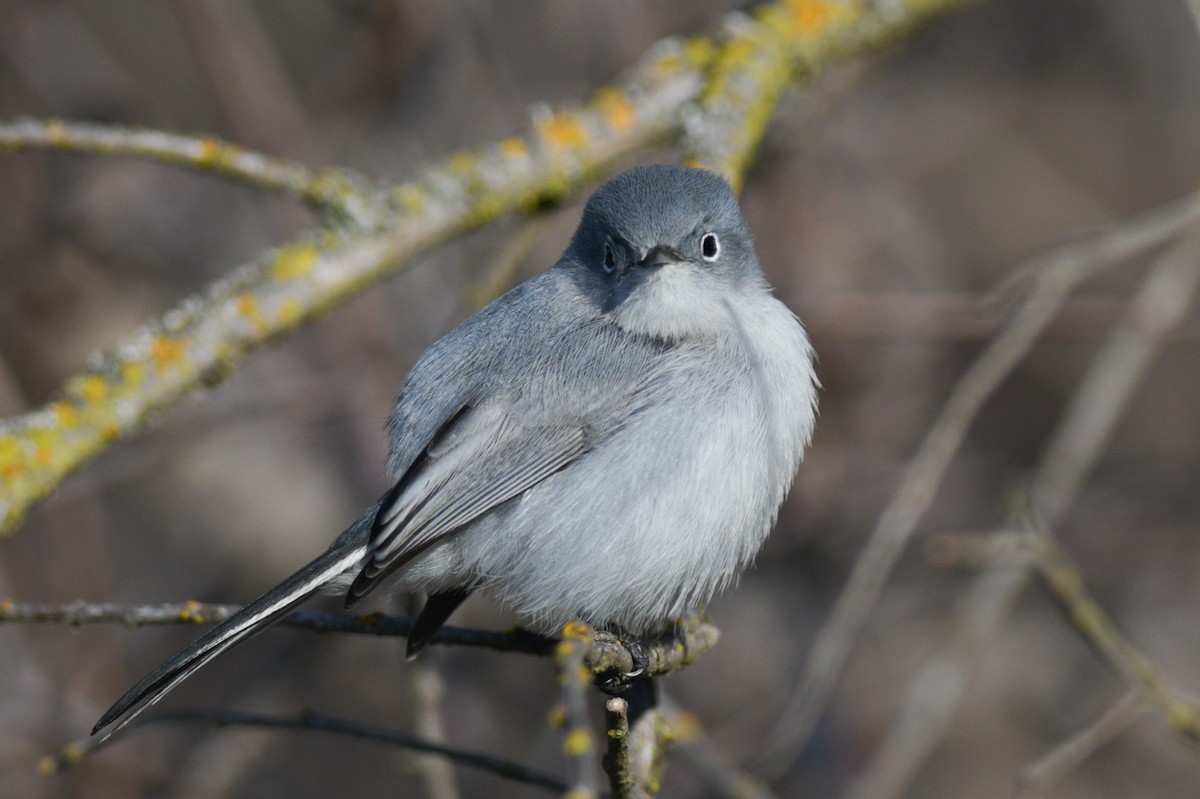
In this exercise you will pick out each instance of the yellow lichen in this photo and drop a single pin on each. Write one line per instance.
(289, 311)
(293, 261)
(557, 717)
(577, 630)
(247, 304)
(685, 726)
(564, 130)
(578, 742)
(132, 373)
(11, 466)
(462, 162)
(191, 612)
(55, 132)
(210, 150)
(618, 110)
(410, 199)
(810, 16)
(513, 147)
(68, 416)
(166, 352)
(93, 388)
(43, 455)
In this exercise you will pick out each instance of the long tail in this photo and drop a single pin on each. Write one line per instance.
(256, 616)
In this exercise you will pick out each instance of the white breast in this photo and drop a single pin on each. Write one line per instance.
(698, 477)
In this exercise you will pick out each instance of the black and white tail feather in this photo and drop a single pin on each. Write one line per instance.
(253, 618)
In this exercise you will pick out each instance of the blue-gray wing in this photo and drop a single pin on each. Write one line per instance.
(485, 457)
(520, 392)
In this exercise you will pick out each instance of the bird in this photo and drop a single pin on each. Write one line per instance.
(608, 442)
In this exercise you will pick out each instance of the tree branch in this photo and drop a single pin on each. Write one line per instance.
(201, 153)
(371, 231)
(309, 720)
(1050, 279)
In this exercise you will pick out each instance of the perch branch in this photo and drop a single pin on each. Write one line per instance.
(605, 655)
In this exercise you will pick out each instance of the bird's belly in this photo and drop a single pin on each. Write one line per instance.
(634, 542)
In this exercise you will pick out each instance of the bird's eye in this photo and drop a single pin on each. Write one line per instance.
(710, 247)
(610, 258)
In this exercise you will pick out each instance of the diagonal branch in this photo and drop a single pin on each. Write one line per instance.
(372, 231)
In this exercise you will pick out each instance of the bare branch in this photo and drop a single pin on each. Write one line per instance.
(1053, 276)
(618, 762)
(575, 678)
(1081, 436)
(1043, 774)
(201, 153)
(379, 229)
(1118, 369)
(76, 751)
(691, 743)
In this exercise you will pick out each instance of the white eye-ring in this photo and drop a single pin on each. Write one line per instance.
(610, 258)
(710, 247)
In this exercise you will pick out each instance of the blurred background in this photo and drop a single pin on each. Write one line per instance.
(887, 201)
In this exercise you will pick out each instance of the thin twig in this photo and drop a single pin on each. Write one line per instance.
(690, 743)
(927, 706)
(1096, 406)
(1081, 436)
(1053, 276)
(1180, 711)
(618, 762)
(1042, 775)
(575, 678)
(202, 153)
(501, 274)
(426, 692)
(74, 752)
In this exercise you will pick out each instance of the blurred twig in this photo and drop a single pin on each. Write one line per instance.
(426, 690)
(927, 705)
(1051, 278)
(1041, 776)
(1180, 711)
(502, 273)
(574, 678)
(76, 751)
(373, 230)
(203, 153)
(1096, 405)
(692, 744)
(1081, 436)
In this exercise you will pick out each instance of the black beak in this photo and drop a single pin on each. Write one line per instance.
(660, 255)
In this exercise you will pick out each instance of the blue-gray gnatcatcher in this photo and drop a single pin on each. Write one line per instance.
(610, 441)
